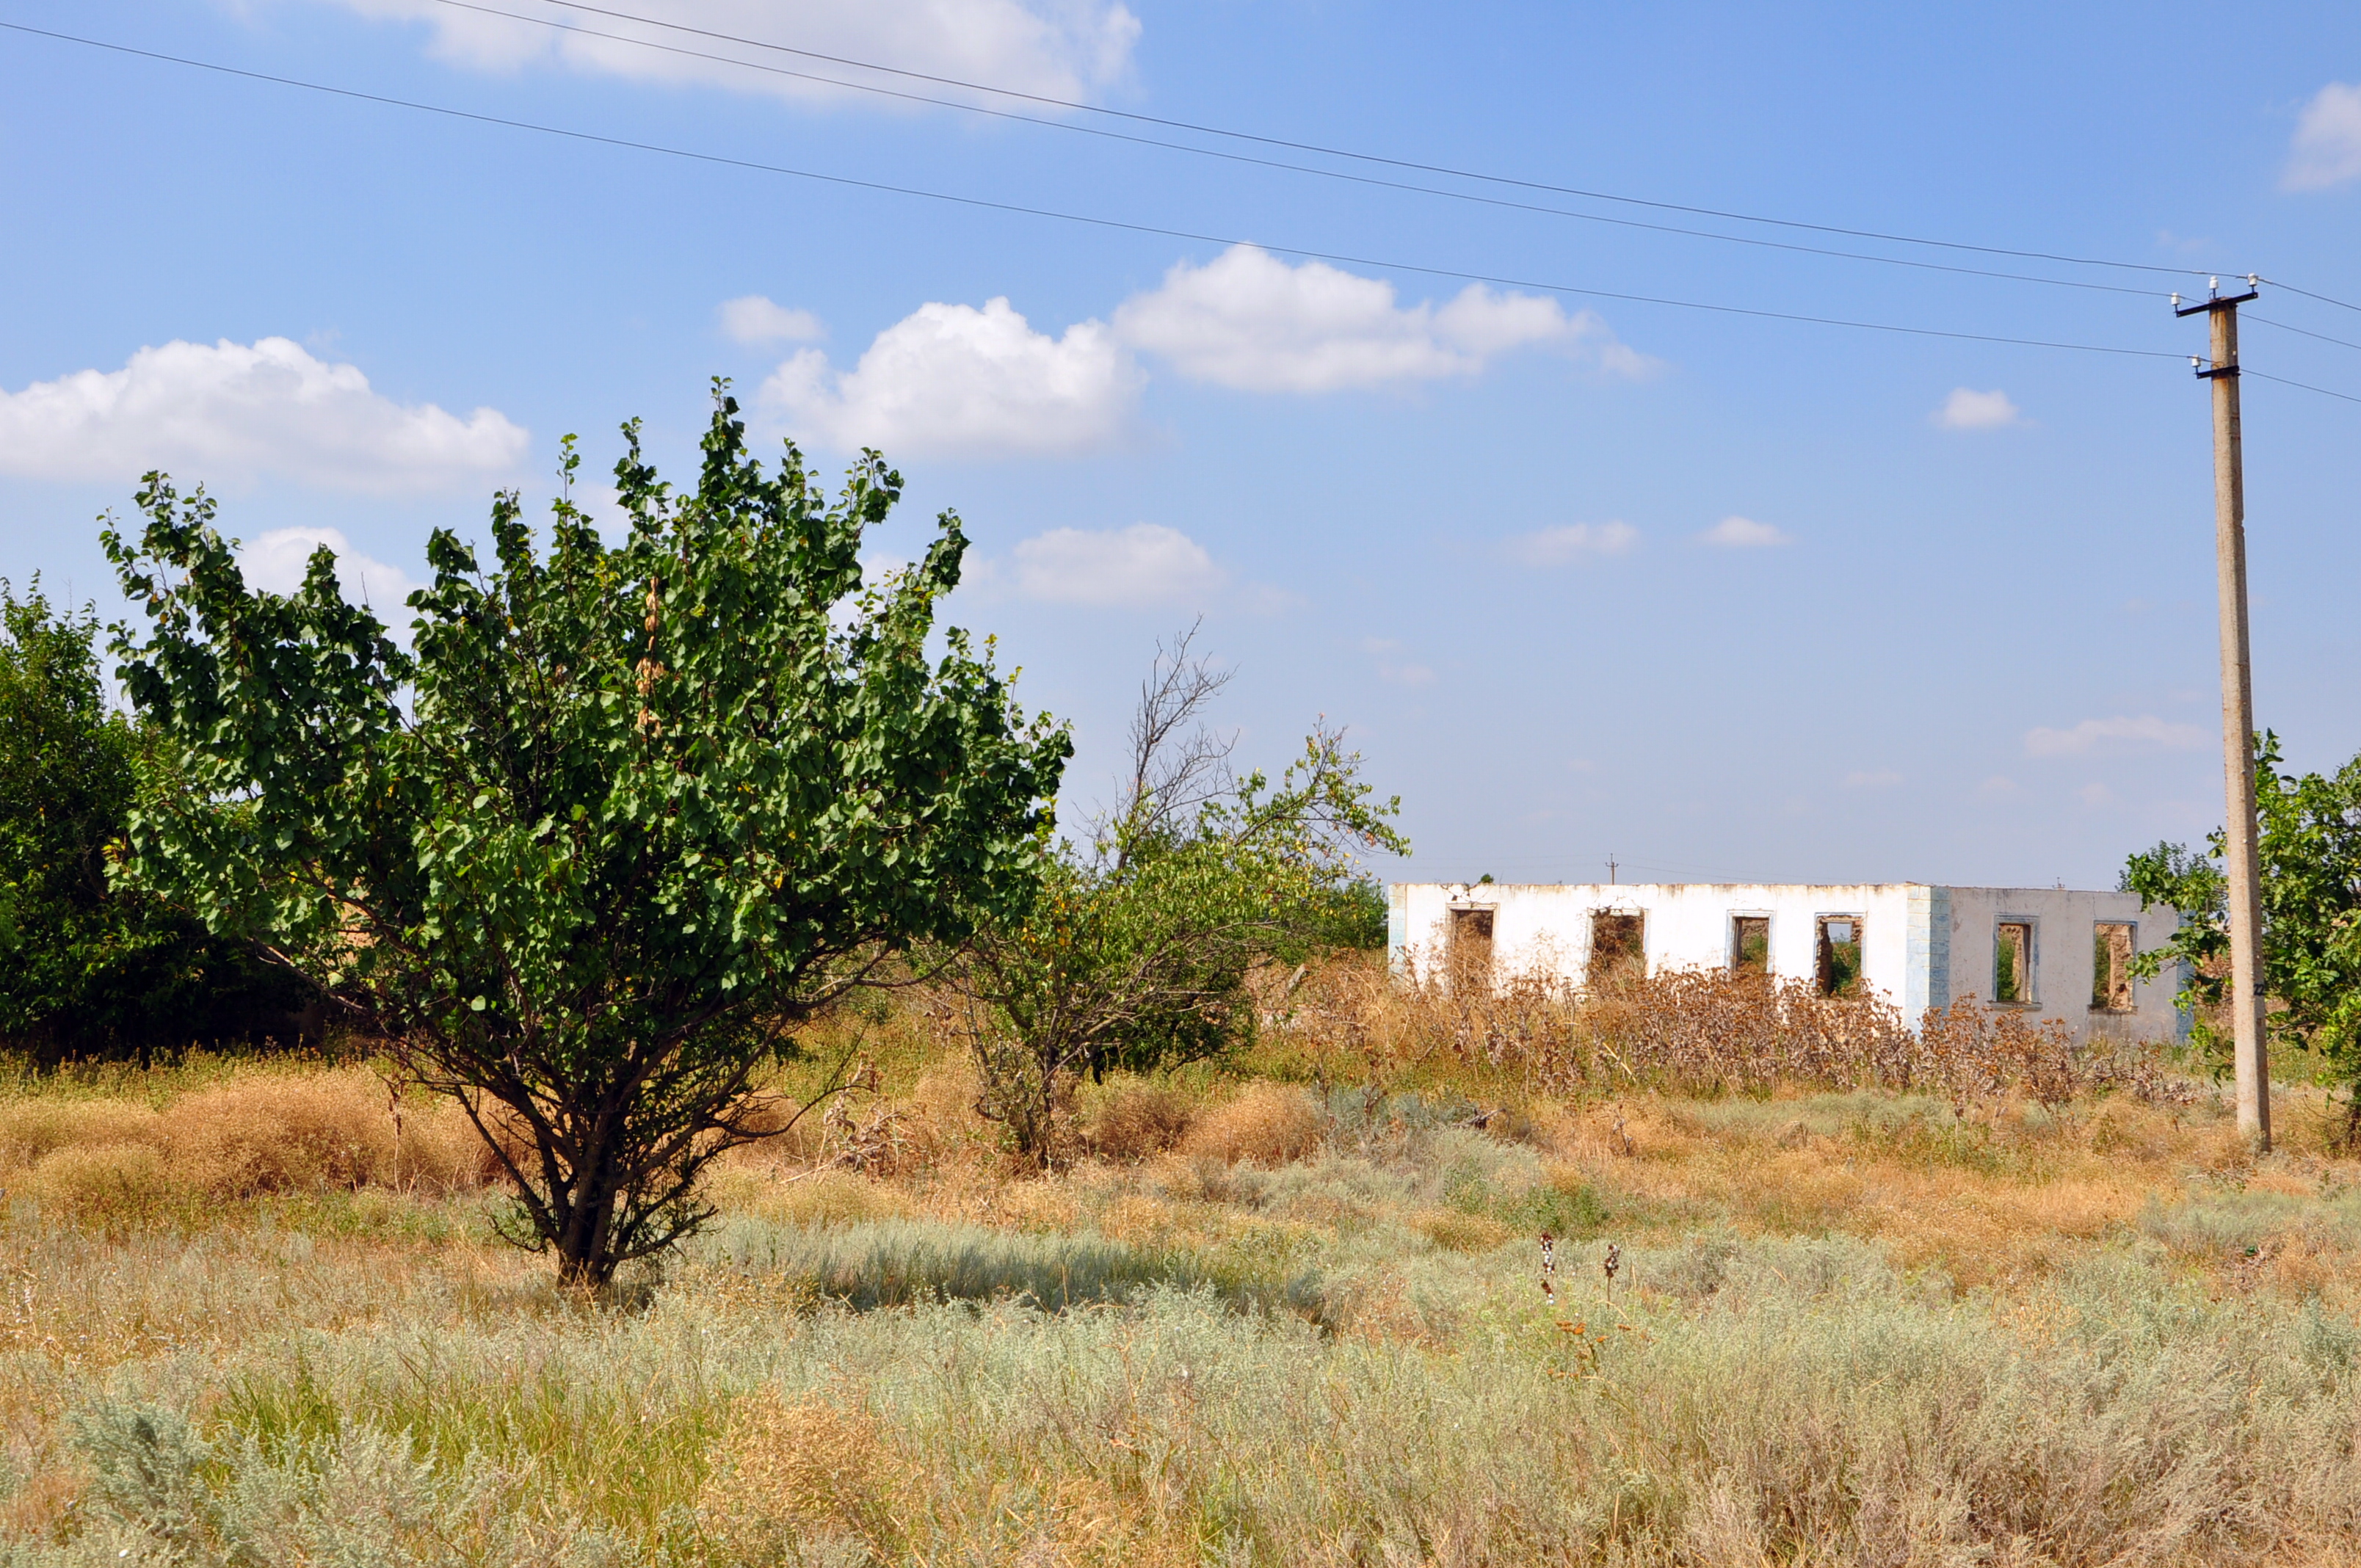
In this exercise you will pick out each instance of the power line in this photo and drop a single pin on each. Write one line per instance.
(1247, 158)
(2300, 386)
(2304, 332)
(2323, 299)
(987, 204)
(1357, 157)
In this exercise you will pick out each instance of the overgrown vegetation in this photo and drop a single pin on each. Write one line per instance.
(1136, 955)
(1285, 1309)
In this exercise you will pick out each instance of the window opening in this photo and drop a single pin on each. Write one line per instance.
(1469, 945)
(2111, 967)
(1839, 955)
(1749, 944)
(2013, 962)
(1619, 948)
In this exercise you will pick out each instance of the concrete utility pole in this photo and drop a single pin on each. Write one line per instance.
(2251, 1057)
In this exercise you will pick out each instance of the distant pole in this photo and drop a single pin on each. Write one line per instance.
(2251, 1057)
(1611, 871)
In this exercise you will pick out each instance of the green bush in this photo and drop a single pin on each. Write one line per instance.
(88, 969)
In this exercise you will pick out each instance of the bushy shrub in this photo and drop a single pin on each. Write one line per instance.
(88, 968)
(1266, 1123)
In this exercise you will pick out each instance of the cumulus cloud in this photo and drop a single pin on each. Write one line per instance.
(750, 318)
(1967, 408)
(1571, 542)
(1249, 321)
(2327, 146)
(228, 412)
(1138, 566)
(951, 381)
(2113, 734)
(1745, 533)
(1056, 48)
(276, 563)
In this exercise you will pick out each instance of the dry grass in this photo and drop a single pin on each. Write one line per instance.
(1264, 1123)
(791, 1477)
(1285, 1313)
(1132, 1118)
(264, 1133)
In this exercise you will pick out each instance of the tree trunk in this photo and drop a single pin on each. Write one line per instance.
(586, 1240)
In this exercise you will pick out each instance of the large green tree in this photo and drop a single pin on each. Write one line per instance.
(621, 813)
(2310, 866)
(87, 970)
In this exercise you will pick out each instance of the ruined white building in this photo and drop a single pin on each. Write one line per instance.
(2053, 952)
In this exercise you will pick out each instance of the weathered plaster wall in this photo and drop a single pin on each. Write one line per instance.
(2063, 957)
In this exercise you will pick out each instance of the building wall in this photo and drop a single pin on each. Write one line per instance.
(2064, 956)
(1922, 946)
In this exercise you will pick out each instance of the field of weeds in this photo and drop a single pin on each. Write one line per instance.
(1880, 1305)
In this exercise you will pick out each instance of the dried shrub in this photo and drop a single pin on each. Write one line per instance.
(1456, 1232)
(291, 1134)
(1133, 1118)
(821, 1196)
(1707, 1031)
(787, 1473)
(31, 1129)
(104, 1182)
(1268, 1124)
(257, 1133)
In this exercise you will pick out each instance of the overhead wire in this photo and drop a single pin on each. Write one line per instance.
(1252, 160)
(2323, 299)
(1093, 220)
(2300, 386)
(1411, 164)
(1124, 225)
(2299, 331)
(1078, 106)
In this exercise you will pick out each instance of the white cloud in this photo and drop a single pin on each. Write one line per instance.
(1745, 533)
(1883, 778)
(2327, 146)
(1136, 566)
(1570, 541)
(1056, 48)
(2112, 734)
(276, 563)
(227, 413)
(2095, 794)
(1966, 408)
(750, 318)
(1248, 321)
(951, 381)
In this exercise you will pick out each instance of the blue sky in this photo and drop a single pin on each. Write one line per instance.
(1723, 595)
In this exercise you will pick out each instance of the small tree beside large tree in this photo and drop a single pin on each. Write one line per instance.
(620, 814)
(1139, 952)
(2308, 863)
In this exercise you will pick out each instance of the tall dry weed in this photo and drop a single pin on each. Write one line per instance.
(1132, 1118)
(1268, 1124)
(256, 1134)
(1698, 1031)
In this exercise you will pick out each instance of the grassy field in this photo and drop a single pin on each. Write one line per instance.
(1289, 1311)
